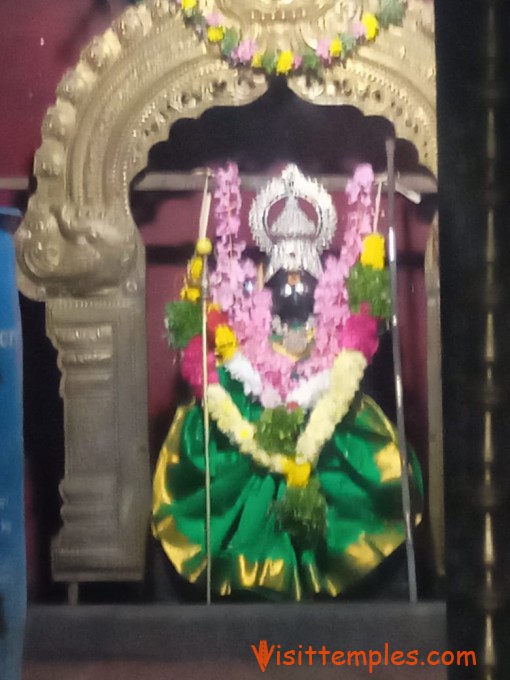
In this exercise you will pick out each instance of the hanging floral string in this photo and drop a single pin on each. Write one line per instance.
(239, 51)
(269, 375)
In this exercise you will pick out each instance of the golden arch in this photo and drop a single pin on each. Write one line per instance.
(128, 88)
(79, 250)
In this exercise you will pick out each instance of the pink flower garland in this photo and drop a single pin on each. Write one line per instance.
(234, 287)
(331, 306)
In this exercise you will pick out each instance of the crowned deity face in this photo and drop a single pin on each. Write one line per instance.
(293, 296)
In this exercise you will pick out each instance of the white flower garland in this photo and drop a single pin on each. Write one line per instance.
(346, 374)
(332, 407)
(240, 368)
(305, 394)
(308, 392)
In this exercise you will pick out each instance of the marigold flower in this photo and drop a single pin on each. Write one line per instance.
(371, 25)
(296, 474)
(195, 268)
(284, 62)
(372, 254)
(190, 293)
(256, 62)
(336, 47)
(225, 342)
(215, 33)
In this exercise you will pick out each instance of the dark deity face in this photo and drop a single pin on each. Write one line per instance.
(292, 296)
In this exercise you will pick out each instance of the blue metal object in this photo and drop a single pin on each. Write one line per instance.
(12, 532)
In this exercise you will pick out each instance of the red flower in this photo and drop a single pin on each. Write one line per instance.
(192, 369)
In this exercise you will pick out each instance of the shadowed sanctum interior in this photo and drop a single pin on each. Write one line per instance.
(281, 126)
(262, 137)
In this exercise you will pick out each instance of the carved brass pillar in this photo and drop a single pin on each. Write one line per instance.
(105, 491)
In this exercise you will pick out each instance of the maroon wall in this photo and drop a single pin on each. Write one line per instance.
(39, 41)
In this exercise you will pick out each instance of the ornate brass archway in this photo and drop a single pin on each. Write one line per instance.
(80, 252)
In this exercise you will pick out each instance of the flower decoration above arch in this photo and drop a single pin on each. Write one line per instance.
(361, 23)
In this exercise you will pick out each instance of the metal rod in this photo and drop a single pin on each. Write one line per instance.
(204, 218)
(397, 367)
(410, 185)
(205, 407)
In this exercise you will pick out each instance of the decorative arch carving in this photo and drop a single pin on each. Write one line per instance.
(132, 83)
(78, 248)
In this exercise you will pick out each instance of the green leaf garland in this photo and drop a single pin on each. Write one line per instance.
(183, 320)
(278, 429)
(302, 513)
(372, 286)
(391, 12)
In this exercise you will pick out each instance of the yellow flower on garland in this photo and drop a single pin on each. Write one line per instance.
(296, 474)
(371, 25)
(215, 34)
(284, 62)
(256, 61)
(195, 268)
(191, 293)
(225, 341)
(245, 433)
(372, 254)
(336, 48)
(188, 5)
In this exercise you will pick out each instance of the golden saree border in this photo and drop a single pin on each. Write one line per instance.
(169, 456)
(178, 548)
(389, 463)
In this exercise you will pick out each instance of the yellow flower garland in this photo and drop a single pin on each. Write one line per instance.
(346, 376)
(286, 61)
(190, 293)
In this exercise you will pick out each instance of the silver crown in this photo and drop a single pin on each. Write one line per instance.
(293, 240)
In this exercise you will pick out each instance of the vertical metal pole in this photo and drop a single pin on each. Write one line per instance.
(397, 367)
(204, 219)
(205, 408)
